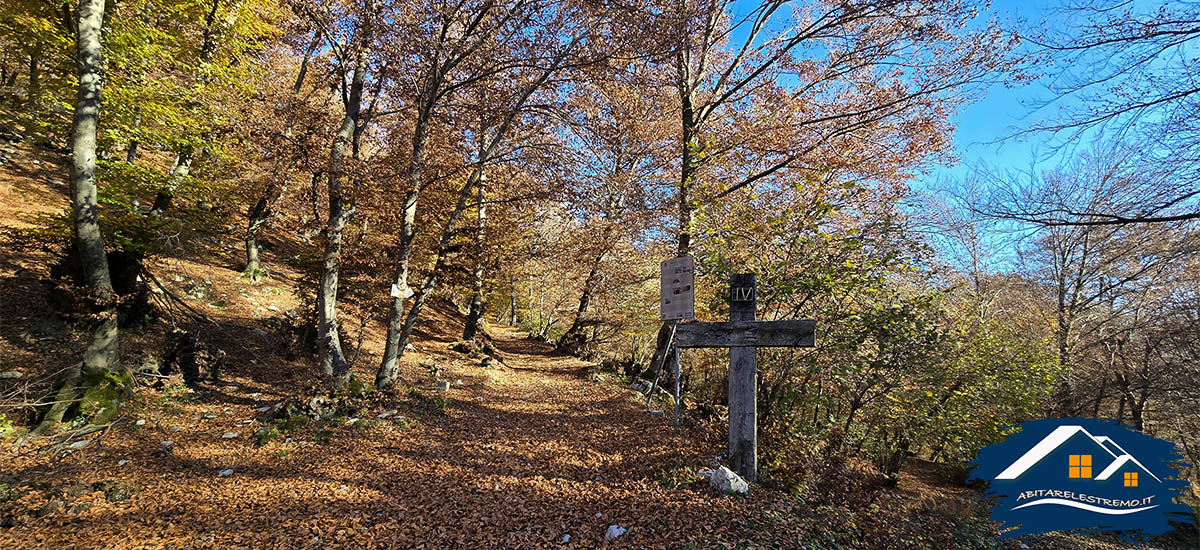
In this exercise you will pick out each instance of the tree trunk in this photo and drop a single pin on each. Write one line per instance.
(186, 154)
(1066, 390)
(1137, 408)
(255, 221)
(512, 301)
(1123, 388)
(33, 93)
(102, 355)
(476, 311)
(393, 346)
(1099, 397)
(179, 174)
(544, 332)
(388, 369)
(585, 300)
(333, 360)
(261, 213)
(312, 47)
(33, 89)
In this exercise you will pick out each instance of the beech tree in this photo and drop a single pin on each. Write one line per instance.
(473, 45)
(97, 382)
(847, 73)
(1124, 69)
(352, 61)
(227, 31)
(1089, 268)
(620, 127)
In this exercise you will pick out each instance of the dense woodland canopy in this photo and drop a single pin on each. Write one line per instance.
(532, 162)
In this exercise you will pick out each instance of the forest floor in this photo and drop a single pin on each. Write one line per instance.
(541, 450)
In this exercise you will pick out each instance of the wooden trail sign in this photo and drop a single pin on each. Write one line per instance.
(743, 335)
(676, 295)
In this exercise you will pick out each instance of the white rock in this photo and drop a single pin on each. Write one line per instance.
(614, 531)
(229, 435)
(122, 462)
(599, 515)
(442, 385)
(263, 409)
(723, 479)
(11, 375)
(248, 421)
(175, 429)
(564, 539)
(225, 473)
(385, 414)
(80, 444)
(140, 422)
(705, 474)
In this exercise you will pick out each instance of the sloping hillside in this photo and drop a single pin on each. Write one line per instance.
(527, 449)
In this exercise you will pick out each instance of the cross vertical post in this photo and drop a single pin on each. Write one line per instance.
(742, 334)
(743, 383)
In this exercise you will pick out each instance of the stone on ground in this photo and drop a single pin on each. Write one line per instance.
(723, 479)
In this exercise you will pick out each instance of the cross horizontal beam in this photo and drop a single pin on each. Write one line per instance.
(742, 334)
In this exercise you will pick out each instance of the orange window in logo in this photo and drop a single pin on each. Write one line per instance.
(1131, 479)
(1080, 467)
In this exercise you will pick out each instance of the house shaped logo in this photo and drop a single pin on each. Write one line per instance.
(1079, 473)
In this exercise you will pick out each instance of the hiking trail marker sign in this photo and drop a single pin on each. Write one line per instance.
(677, 295)
(742, 334)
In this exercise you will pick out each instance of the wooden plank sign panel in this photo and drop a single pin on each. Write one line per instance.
(736, 334)
(677, 294)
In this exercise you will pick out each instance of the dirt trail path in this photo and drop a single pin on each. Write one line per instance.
(519, 457)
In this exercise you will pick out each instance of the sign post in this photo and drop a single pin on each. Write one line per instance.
(742, 334)
(677, 301)
(743, 383)
(676, 290)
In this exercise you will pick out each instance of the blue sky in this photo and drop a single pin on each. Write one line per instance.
(981, 128)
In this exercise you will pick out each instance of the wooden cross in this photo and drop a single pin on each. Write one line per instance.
(743, 335)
